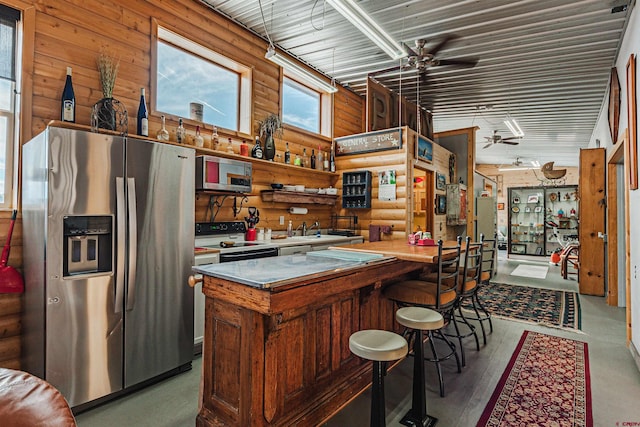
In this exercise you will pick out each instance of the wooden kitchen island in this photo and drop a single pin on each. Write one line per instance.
(276, 345)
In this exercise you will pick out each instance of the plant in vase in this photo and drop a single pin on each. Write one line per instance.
(269, 127)
(108, 113)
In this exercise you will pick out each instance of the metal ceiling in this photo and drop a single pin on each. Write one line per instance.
(546, 63)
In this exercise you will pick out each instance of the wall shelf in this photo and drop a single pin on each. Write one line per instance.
(297, 197)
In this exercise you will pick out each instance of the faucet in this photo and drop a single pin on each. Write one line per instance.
(304, 228)
(316, 224)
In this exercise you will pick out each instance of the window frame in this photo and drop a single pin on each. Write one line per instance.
(303, 88)
(326, 104)
(172, 38)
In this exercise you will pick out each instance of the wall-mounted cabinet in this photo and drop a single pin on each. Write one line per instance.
(542, 219)
(356, 190)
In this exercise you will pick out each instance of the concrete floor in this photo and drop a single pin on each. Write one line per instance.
(615, 378)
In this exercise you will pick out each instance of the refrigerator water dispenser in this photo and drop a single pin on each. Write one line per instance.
(87, 245)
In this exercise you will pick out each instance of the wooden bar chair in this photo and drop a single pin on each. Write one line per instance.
(380, 347)
(440, 295)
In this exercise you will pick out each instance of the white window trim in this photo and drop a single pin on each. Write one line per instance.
(244, 98)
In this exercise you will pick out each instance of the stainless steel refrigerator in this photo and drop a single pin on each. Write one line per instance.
(108, 247)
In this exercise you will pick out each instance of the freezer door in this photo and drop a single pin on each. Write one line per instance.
(159, 302)
(84, 328)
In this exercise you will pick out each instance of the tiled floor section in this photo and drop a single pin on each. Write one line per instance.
(615, 379)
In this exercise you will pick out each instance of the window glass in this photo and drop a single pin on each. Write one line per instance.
(300, 106)
(5, 95)
(184, 78)
(3, 161)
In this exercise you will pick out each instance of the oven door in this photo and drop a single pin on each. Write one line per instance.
(248, 254)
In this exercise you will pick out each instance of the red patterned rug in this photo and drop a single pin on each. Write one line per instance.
(546, 383)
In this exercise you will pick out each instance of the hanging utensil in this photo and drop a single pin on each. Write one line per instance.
(10, 279)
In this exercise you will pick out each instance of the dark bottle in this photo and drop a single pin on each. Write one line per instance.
(313, 159)
(143, 116)
(181, 133)
(332, 161)
(287, 154)
(68, 100)
(256, 151)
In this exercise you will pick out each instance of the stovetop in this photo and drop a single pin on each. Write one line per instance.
(210, 235)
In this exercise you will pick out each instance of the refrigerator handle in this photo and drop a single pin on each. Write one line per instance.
(133, 242)
(121, 247)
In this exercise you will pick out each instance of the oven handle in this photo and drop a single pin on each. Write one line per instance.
(250, 254)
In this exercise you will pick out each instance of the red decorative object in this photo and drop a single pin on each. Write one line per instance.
(543, 369)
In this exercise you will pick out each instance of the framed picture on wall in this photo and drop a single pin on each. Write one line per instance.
(441, 204)
(500, 206)
(424, 150)
(441, 181)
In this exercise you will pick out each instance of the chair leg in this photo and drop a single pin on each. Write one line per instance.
(377, 395)
(436, 359)
(484, 310)
(471, 328)
(479, 319)
(459, 336)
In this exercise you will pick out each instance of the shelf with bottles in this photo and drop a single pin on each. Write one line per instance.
(356, 190)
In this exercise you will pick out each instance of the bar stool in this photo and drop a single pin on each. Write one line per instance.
(378, 346)
(419, 319)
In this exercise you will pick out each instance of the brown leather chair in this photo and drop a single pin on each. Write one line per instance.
(28, 401)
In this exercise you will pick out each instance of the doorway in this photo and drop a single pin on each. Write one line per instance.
(423, 200)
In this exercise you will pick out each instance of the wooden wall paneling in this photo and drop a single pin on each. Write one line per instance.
(615, 161)
(592, 200)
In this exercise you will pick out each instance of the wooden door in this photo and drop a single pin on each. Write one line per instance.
(592, 225)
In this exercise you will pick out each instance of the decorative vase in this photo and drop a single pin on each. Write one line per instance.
(269, 147)
(109, 114)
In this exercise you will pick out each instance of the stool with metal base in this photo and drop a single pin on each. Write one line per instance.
(380, 347)
(419, 319)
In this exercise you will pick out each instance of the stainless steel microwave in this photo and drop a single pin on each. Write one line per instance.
(217, 173)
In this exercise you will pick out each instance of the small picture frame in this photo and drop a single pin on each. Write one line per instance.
(441, 181)
(516, 200)
(500, 206)
(538, 209)
(533, 198)
(518, 248)
(441, 204)
(527, 209)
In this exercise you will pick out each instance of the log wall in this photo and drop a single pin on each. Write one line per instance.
(72, 33)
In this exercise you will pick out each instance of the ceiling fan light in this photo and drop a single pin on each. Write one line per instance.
(295, 69)
(363, 22)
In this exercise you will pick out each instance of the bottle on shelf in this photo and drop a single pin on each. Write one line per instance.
(319, 159)
(215, 141)
(181, 133)
(163, 134)
(297, 161)
(68, 101)
(332, 161)
(287, 154)
(198, 139)
(305, 158)
(143, 115)
(290, 229)
(244, 148)
(325, 164)
(313, 159)
(256, 151)
(229, 146)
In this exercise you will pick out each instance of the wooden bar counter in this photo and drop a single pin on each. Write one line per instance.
(276, 344)
(402, 250)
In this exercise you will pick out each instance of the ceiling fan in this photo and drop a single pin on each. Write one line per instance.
(497, 139)
(422, 57)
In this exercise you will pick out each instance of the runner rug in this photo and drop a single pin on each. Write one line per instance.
(558, 309)
(546, 383)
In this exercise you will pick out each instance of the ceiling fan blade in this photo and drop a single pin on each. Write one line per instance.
(511, 138)
(488, 145)
(447, 38)
(470, 62)
(410, 52)
(509, 142)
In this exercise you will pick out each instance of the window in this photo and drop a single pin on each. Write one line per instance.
(300, 106)
(9, 19)
(187, 72)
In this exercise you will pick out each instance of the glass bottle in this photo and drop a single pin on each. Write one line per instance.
(332, 161)
(68, 100)
(180, 133)
(143, 115)
(198, 139)
(313, 159)
(305, 158)
(256, 151)
(244, 148)
(287, 154)
(230, 146)
(163, 134)
(297, 161)
(319, 161)
(325, 163)
(214, 138)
